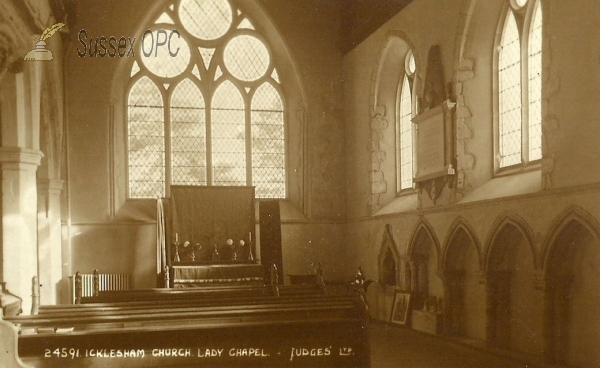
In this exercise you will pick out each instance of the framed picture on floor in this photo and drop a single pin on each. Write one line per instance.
(400, 307)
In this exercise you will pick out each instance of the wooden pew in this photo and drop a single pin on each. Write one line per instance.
(122, 306)
(148, 314)
(326, 331)
(204, 292)
(223, 326)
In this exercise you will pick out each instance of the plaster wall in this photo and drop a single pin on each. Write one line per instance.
(574, 81)
(568, 109)
(465, 30)
(423, 24)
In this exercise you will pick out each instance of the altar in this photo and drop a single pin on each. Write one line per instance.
(208, 237)
(198, 275)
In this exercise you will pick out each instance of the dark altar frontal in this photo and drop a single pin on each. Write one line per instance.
(194, 274)
(210, 236)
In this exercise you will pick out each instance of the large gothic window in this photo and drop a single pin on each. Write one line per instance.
(520, 85)
(206, 107)
(404, 126)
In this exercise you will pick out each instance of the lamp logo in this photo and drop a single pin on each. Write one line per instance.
(40, 53)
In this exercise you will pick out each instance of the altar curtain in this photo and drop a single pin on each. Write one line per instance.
(211, 215)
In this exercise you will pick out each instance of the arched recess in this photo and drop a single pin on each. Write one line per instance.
(291, 89)
(572, 290)
(513, 313)
(424, 256)
(385, 79)
(388, 259)
(464, 295)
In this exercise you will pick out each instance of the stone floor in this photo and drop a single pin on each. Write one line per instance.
(399, 347)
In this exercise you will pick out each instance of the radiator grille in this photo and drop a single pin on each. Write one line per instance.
(106, 281)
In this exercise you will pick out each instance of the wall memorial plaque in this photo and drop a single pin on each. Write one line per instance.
(435, 144)
(431, 143)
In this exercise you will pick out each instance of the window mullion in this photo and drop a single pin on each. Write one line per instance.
(209, 165)
(167, 139)
(524, 99)
(248, 117)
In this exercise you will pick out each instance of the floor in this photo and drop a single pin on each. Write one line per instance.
(398, 347)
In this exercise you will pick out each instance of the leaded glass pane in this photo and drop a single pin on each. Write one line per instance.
(168, 60)
(206, 19)
(134, 69)
(188, 135)
(246, 24)
(268, 143)
(412, 65)
(164, 18)
(246, 58)
(228, 130)
(405, 136)
(510, 95)
(207, 55)
(535, 86)
(146, 140)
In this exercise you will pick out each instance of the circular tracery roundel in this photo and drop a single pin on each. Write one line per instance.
(246, 58)
(206, 19)
(166, 62)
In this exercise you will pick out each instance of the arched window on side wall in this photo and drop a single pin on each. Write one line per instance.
(519, 131)
(208, 109)
(404, 127)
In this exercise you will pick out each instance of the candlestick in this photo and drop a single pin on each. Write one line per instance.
(250, 236)
(176, 238)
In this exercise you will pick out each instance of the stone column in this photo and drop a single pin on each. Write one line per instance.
(541, 285)
(414, 274)
(19, 220)
(490, 311)
(49, 240)
(20, 158)
(560, 328)
(406, 271)
(449, 302)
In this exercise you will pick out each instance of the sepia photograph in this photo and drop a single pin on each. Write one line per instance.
(299, 183)
(401, 308)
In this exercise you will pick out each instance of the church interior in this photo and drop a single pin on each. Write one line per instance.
(440, 148)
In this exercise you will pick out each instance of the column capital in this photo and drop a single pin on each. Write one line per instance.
(18, 155)
(46, 185)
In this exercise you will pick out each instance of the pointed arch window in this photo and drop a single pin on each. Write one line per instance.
(404, 127)
(213, 113)
(519, 133)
